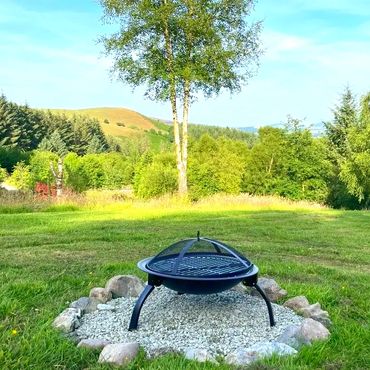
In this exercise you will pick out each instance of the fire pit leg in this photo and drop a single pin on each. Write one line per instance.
(268, 303)
(139, 303)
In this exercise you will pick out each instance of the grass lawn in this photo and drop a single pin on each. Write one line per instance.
(50, 258)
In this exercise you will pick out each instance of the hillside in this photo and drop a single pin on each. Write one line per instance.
(115, 121)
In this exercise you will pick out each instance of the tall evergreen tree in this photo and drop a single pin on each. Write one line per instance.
(345, 117)
(355, 168)
(85, 131)
(337, 134)
(10, 132)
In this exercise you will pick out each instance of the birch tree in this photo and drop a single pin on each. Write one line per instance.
(179, 49)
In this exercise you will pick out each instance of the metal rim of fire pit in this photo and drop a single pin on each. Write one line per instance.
(197, 266)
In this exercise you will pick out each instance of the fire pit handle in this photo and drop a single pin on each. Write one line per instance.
(232, 252)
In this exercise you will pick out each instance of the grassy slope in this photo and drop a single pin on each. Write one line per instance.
(132, 120)
(48, 259)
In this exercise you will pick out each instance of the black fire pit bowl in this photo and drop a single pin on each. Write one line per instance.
(197, 266)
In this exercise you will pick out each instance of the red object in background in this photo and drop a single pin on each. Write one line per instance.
(43, 190)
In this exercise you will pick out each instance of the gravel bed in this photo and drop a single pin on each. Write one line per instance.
(220, 323)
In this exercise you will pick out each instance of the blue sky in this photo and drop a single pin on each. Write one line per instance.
(49, 57)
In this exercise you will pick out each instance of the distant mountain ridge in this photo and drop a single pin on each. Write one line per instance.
(317, 129)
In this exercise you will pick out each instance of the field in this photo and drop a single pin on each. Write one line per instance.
(51, 258)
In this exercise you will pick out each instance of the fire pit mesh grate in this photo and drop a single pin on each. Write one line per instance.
(198, 265)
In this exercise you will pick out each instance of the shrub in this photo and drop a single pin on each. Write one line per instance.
(3, 174)
(74, 173)
(21, 177)
(40, 166)
(118, 171)
(156, 177)
(215, 166)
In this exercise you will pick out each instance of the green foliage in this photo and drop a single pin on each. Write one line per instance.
(54, 144)
(95, 146)
(349, 138)
(211, 45)
(196, 131)
(345, 117)
(156, 176)
(95, 171)
(215, 166)
(88, 136)
(20, 126)
(355, 168)
(9, 157)
(10, 131)
(118, 170)
(288, 163)
(75, 176)
(3, 174)
(21, 177)
(40, 166)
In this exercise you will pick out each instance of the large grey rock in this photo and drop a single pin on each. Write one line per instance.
(97, 296)
(244, 356)
(80, 304)
(92, 343)
(239, 357)
(67, 321)
(119, 354)
(91, 306)
(289, 336)
(311, 330)
(315, 312)
(161, 351)
(267, 349)
(297, 303)
(271, 289)
(100, 295)
(199, 354)
(125, 286)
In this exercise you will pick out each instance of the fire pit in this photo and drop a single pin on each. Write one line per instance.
(197, 266)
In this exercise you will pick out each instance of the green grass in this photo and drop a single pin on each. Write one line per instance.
(51, 258)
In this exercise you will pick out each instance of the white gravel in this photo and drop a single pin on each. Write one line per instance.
(220, 323)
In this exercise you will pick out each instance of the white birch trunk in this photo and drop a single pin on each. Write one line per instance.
(58, 176)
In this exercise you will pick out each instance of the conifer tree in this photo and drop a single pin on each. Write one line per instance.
(10, 132)
(345, 117)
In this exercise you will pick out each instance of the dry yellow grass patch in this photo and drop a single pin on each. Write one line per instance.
(133, 121)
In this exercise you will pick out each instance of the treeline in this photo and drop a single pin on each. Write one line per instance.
(196, 131)
(289, 162)
(26, 129)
